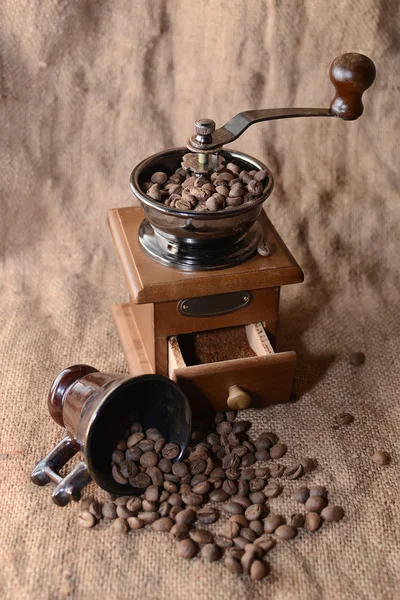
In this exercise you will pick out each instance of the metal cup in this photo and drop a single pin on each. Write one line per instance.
(96, 409)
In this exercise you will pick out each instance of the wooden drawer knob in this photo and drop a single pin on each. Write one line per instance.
(238, 399)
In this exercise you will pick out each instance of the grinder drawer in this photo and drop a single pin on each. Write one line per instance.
(206, 364)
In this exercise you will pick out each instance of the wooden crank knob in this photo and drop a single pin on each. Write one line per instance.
(238, 399)
(351, 74)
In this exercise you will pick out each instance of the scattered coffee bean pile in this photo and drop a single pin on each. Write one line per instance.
(226, 190)
(220, 475)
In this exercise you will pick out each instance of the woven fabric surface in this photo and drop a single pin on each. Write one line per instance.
(88, 88)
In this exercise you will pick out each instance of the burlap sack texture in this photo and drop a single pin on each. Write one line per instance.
(89, 88)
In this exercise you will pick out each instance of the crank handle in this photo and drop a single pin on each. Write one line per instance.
(351, 74)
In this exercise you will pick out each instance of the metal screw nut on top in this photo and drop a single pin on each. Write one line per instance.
(204, 126)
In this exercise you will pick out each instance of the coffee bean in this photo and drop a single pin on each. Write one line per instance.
(86, 519)
(179, 531)
(217, 483)
(240, 520)
(153, 434)
(241, 426)
(196, 436)
(240, 542)
(128, 469)
(293, 472)
(230, 415)
(164, 524)
(217, 473)
(121, 500)
(230, 529)
(235, 552)
(136, 426)
(156, 476)
(123, 512)
(148, 517)
(175, 499)
(135, 523)
(357, 359)
(242, 487)
(109, 511)
(263, 472)
(257, 527)
(146, 445)
(381, 458)
(296, 520)
(266, 542)
(165, 465)
(164, 495)
(96, 509)
(223, 542)
(85, 503)
(170, 451)
(263, 443)
(258, 570)
(232, 474)
(117, 456)
(207, 515)
(344, 419)
(117, 475)
(164, 509)
(277, 451)
(186, 548)
(332, 513)
(248, 534)
(233, 508)
(120, 525)
(301, 494)
(159, 445)
(271, 436)
(315, 504)
(219, 496)
(262, 455)
(242, 500)
(171, 478)
(134, 439)
(276, 470)
(180, 469)
(257, 484)
(170, 487)
(142, 480)
(224, 427)
(261, 175)
(256, 550)
(247, 560)
(224, 440)
(319, 490)
(258, 498)
(213, 439)
(233, 565)
(313, 521)
(197, 466)
(285, 532)
(201, 536)
(219, 417)
(248, 460)
(211, 552)
(255, 512)
(195, 499)
(272, 522)
(122, 445)
(134, 504)
(133, 454)
(175, 510)
(250, 447)
(229, 487)
(203, 487)
(235, 441)
(239, 451)
(159, 177)
(308, 464)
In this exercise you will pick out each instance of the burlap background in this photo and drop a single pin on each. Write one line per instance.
(87, 89)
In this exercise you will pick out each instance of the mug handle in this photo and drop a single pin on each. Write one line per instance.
(70, 487)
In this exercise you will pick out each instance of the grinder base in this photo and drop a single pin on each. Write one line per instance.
(181, 256)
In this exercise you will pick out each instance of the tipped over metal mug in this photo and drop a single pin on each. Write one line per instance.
(96, 409)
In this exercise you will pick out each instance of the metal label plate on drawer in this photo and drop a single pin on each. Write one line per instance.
(211, 306)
